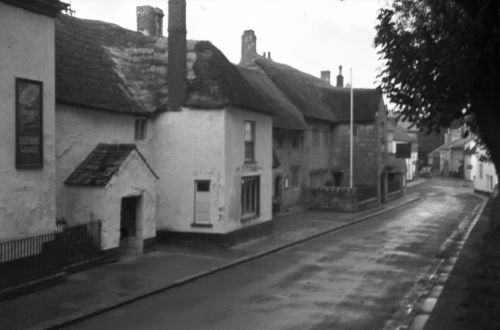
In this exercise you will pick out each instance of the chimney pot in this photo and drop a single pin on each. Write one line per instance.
(340, 78)
(325, 75)
(248, 47)
(150, 21)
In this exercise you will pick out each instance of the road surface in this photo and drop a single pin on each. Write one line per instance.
(359, 277)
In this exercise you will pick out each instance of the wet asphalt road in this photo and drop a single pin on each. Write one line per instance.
(357, 278)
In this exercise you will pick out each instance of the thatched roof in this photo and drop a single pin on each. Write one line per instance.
(317, 99)
(303, 90)
(104, 66)
(366, 103)
(287, 116)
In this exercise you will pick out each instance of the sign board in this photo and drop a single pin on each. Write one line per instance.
(29, 124)
(403, 150)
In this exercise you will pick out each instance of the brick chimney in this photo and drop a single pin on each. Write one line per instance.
(340, 78)
(325, 75)
(177, 48)
(150, 21)
(248, 47)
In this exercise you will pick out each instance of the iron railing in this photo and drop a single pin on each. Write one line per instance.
(34, 257)
(81, 242)
(24, 247)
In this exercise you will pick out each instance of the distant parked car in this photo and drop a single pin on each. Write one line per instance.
(425, 172)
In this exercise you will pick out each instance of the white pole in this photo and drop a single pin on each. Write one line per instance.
(352, 133)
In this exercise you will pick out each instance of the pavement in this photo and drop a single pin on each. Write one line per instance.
(461, 297)
(110, 286)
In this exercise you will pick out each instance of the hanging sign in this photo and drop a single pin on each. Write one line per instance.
(29, 127)
(403, 150)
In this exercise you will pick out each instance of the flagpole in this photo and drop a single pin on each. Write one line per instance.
(352, 133)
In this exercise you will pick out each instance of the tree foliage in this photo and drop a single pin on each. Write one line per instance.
(442, 63)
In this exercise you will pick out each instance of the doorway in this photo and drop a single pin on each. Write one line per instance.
(277, 187)
(130, 242)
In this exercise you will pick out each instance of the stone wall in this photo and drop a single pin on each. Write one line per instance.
(316, 156)
(288, 149)
(366, 149)
(342, 199)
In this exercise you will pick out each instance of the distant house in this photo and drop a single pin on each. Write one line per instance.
(478, 169)
(317, 154)
(449, 158)
(398, 135)
(195, 127)
(486, 178)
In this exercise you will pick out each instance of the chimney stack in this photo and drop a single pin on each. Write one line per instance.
(325, 75)
(150, 21)
(177, 49)
(248, 47)
(340, 78)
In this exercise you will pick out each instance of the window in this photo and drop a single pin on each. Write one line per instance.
(480, 170)
(315, 138)
(279, 141)
(354, 130)
(250, 195)
(249, 141)
(326, 137)
(140, 128)
(202, 202)
(296, 140)
(295, 176)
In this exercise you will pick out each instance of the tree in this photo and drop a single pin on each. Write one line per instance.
(442, 63)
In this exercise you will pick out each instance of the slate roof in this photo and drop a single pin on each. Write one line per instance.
(287, 116)
(317, 99)
(104, 66)
(102, 164)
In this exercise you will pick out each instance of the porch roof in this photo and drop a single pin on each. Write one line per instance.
(102, 164)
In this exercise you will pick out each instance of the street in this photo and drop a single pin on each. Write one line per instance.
(354, 278)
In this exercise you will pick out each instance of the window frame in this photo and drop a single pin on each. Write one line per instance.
(140, 129)
(315, 138)
(294, 176)
(249, 141)
(250, 197)
(295, 140)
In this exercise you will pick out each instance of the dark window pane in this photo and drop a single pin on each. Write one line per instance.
(203, 185)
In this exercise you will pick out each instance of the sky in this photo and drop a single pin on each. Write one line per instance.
(310, 35)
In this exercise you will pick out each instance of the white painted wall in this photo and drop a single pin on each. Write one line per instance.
(79, 130)
(27, 197)
(236, 167)
(488, 180)
(411, 166)
(209, 145)
(134, 178)
(190, 146)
